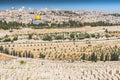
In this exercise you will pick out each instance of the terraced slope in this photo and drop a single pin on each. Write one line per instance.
(5, 57)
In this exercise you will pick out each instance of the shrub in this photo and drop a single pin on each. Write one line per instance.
(7, 40)
(47, 38)
(15, 38)
(22, 62)
(59, 37)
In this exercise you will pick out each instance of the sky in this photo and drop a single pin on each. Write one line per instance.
(94, 5)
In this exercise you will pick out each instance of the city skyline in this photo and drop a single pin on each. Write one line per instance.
(94, 5)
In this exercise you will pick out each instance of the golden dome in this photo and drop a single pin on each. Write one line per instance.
(37, 17)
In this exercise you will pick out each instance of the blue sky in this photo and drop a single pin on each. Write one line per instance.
(99, 5)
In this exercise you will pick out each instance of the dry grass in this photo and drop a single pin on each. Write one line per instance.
(43, 31)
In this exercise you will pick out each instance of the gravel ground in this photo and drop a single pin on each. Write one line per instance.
(35, 69)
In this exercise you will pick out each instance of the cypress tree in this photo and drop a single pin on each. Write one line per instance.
(101, 57)
(93, 57)
(83, 56)
(1, 49)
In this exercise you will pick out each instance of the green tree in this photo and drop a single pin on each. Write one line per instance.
(83, 56)
(93, 57)
(72, 35)
(93, 35)
(30, 36)
(13, 52)
(114, 57)
(60, 37)
(101, 57)
(6, 51)
(87, 35)
(19, 54)
(106, 31)
(1, 48)
(41, 56)
(7, 40)
(47, 38)
(106, 57)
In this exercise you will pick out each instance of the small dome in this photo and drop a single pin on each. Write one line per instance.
(37, 17)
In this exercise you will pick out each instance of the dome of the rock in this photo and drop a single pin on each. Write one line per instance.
(37, 17)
